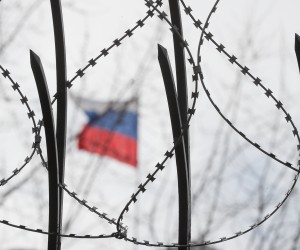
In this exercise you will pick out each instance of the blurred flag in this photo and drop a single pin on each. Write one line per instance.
(111, 130)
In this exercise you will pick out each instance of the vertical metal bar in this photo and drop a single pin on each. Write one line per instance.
(182, 92)
(182, 166)
(180, 73)
(40, 79)
(61, 77)
(297, 48)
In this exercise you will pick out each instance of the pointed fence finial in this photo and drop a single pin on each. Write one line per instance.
(297, 48)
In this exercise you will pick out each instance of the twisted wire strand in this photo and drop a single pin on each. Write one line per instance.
(40, 231)
(246, 71)
(116, 43)
(31, 115)
(37, 130)
(91, 208)
(36, 148)
(160, 166)
(268, 93)
(198, 71)
(82, 202)
(278, 105)
(191, 111)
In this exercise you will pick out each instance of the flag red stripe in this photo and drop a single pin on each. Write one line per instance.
(109, 143)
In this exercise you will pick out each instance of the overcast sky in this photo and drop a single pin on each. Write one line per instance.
(260, 33)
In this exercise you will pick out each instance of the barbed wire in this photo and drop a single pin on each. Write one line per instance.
(168, 155)
(116, 43)
(246, 71)
(198, 73)
(36, 147)
(41, 231)
(37, 130)
(91, 208)
(37, 139)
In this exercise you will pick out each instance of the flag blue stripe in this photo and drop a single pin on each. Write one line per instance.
(123, 122)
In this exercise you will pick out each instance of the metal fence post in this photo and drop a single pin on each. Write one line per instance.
(297, 48)
(61, 116)
(180, 153)
(54, 223)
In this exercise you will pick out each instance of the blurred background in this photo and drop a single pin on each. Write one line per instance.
(233, 184)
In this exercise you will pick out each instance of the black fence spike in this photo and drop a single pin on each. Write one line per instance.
(61, 114)
(297, 48)
(43, 92)
(180, 153)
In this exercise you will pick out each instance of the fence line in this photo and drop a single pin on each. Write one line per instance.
(121, 229)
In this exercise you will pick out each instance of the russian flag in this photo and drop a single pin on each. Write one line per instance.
(111, 130)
